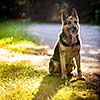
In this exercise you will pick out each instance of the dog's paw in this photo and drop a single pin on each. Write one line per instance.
(64, 76)
(80, 76)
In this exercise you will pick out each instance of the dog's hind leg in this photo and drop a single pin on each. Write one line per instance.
(54, 67)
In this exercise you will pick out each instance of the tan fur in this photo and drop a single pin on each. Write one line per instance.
(66, 54)
(67, 47)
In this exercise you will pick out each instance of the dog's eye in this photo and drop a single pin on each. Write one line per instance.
(65, 22)
(75, 22)
(69, 22)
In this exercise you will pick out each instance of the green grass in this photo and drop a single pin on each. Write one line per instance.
(22, 80)
(12, 33)
(16, 31)
(19, 80)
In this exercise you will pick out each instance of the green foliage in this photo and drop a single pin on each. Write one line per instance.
(16, 31)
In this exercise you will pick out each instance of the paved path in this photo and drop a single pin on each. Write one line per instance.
(90, 53)
(90, 35)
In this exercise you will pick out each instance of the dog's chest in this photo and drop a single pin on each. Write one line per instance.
(70, 51)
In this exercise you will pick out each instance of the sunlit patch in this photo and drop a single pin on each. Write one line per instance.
(88, 59)
(19, 80)
(24, 45)
(82, 52)
(20, 89)
(4, 52)
(93, 51)
(68, 93)
(90, 51)
(98, 50)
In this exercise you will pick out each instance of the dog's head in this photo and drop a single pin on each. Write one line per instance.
(70, 26)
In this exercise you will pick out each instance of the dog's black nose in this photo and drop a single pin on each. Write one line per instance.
(74, 28)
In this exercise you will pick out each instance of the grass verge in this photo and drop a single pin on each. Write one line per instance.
(16, 31)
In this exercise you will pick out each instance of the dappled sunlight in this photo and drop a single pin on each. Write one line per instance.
(89, 59)
(20, 89)
(4, 54)
(19, 80)
(91, 51)
(76, 90)
(40, 61)
(90, 55)
(24, 45)
(24, 51)
(90, 68)
(69, 94)
(94, 51)
(22, 69)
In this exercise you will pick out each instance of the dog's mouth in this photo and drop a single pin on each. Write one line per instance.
(74, 39)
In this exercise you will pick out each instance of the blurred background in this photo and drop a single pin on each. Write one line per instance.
(48, 10)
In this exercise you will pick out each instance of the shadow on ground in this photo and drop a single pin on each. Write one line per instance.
(48, 87)
(54, 88)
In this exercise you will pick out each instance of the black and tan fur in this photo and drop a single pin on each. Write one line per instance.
(67, 47)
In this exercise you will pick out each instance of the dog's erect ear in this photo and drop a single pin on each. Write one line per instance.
(74, 13)
(63, 17)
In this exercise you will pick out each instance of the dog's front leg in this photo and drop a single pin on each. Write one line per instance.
(63, 64)
(77, 58)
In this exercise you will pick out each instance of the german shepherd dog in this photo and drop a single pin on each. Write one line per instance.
(67, 48)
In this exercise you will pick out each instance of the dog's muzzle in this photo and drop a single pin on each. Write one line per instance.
(74, 34)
